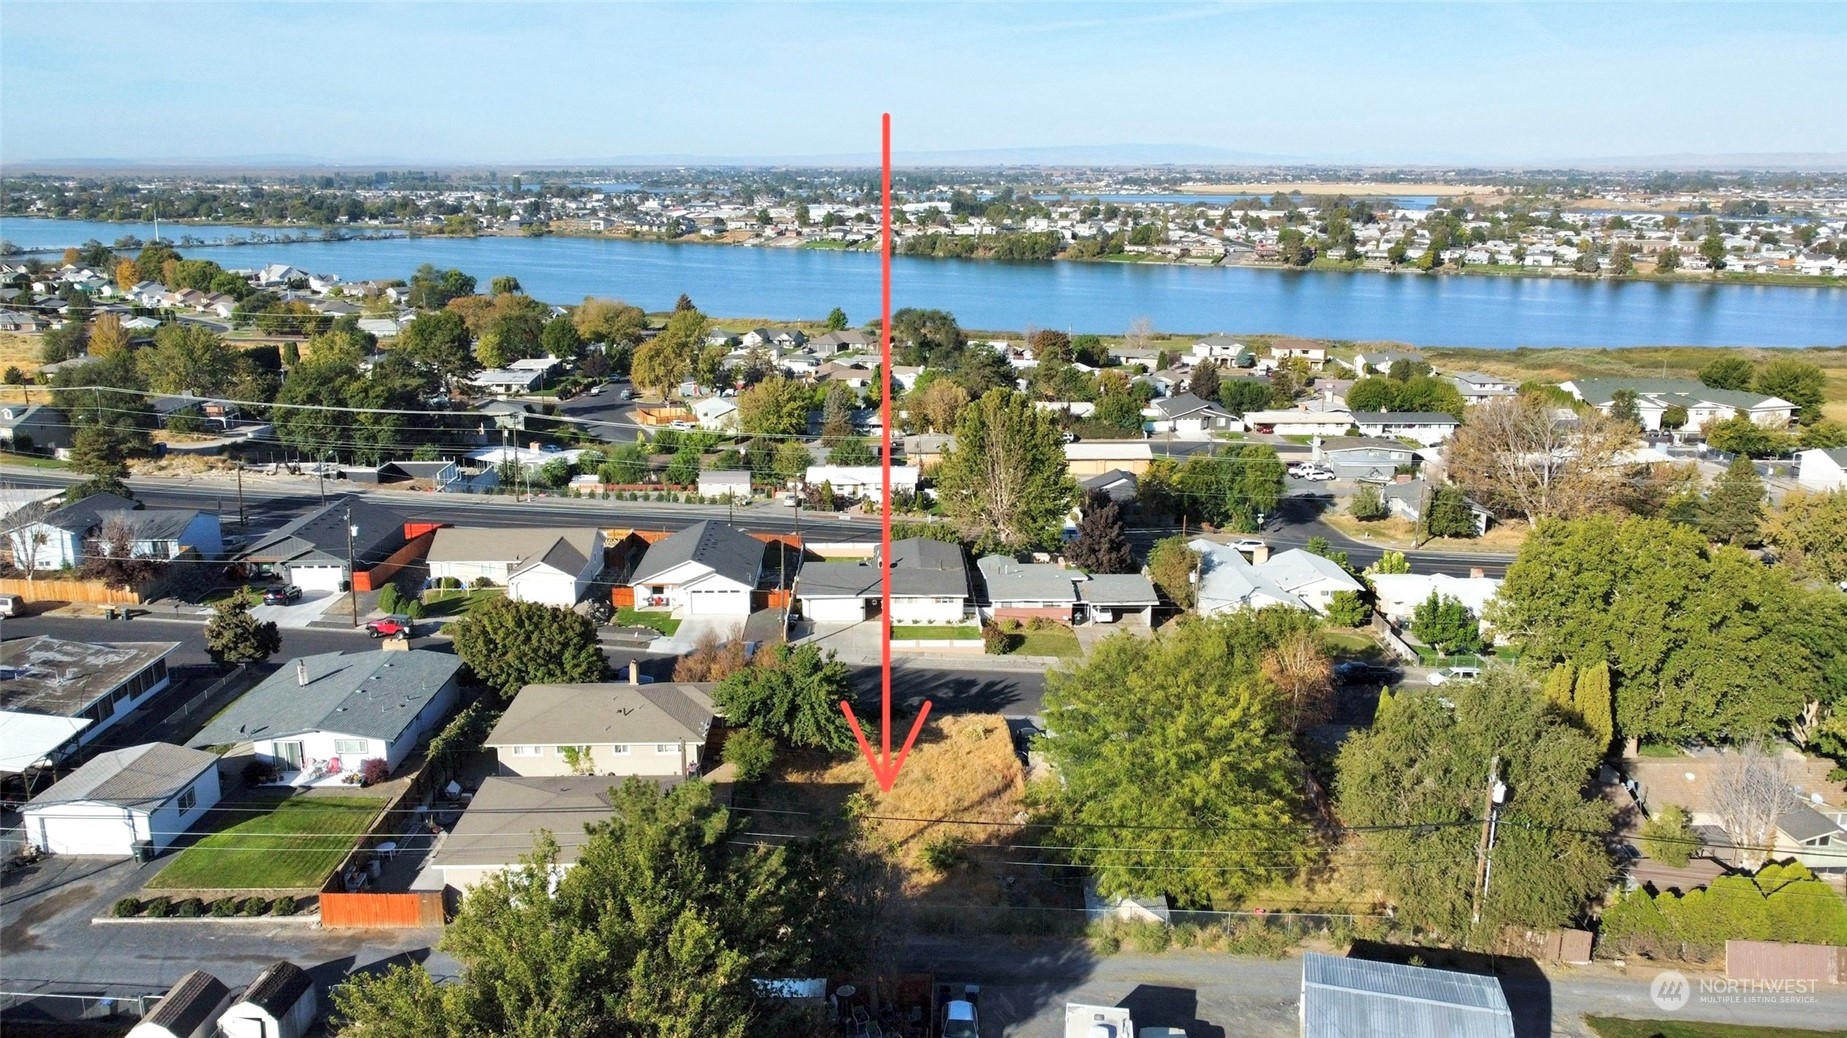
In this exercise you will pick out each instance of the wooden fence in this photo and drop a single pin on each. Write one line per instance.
(90, 592)
(1775, 961)
(382, 911)
(373, 579)
(622, 596)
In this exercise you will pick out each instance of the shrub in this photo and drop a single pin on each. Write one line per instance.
(944, 853)
(252, 906)
(1348, 609)
(450, 583)
(159, 908)
(481, 582)
(412, 608)
(388, 601)
(191, 908)
(128, 906)
(1039, 623)
(284, 905)
(224, 906)
(750, 752)
(258, 772)
(374, 770)
(994, 641)
(1145, 936)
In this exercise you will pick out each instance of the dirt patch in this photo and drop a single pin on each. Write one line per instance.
(1501, 538)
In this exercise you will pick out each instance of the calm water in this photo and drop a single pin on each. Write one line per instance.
(1460, 310)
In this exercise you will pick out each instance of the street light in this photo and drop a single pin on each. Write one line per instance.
(352, 575)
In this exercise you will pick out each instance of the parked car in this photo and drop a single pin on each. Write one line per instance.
(12, 605)
(1297, 469)
(682, 424)
(1249, 544)
(282, 595)
(1360, 672)
(1318, 475)
(596, 390)
(627, 394)
(397, 625)
(1068, 437)
(1438, 677)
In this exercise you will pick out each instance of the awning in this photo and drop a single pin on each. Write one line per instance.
(27, 739)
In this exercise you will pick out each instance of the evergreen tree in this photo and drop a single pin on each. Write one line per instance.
(1594, 705)
(1734, 510)
(1102, 543)
(1560, 682)
(512, 644)
(233, 635)
(1205, 381)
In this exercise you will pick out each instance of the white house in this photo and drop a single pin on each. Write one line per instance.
(725, 483)
(1297, 579)
(144, 794)
(1188, 417)
(91, 685)
(281, 1003)
(1477, 388)
(55, 539)
(1397, 595)
(1365, 362)
(716, 413)
(608, 728)
(863, 481)
(1819, 469)
(1298, 423)
(1704, 405)
(1427, 428)
(324, 715)
(707, 569)
(553, 566)
(929, 585)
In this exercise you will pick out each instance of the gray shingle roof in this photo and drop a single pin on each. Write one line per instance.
(278, 988)
(153, 524)
(86, 513)
(1601, 391)
(189, 1004)
(1185, 404)
(323, 532)
(374, 695)
(508, 811)
(1356, 998)
(148, 774)
(522, 545)
(1118, 589)
(604, 713)
(724, 550)
(1012, 581)
(925, 568)
(1403, 418)
(838, 580)
(1802, 823)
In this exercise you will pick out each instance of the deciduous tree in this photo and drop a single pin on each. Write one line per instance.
(1798, 381)
(792, 692)
(1102, 543)
(188, 359)
(1446, 625)
(1514, 455)
(1807, 534)
(511, 644)
(1006, 476)
(1172, 565)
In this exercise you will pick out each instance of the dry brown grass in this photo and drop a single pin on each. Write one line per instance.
(183, 465)
(1398, 533)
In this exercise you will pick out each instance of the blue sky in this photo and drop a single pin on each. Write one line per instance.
(543, 83)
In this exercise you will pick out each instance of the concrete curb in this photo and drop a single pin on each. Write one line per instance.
(309, 919)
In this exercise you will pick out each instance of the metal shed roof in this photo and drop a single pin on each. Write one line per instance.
(1358, 998)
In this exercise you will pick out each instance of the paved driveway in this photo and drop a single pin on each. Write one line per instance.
(298, 614)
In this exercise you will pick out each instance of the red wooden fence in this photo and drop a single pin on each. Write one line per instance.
(382, 911)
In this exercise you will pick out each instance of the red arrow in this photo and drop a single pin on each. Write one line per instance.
(885, 769)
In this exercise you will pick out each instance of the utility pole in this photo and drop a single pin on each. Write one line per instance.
(352, 575)
(242, 523)
(1497, 795)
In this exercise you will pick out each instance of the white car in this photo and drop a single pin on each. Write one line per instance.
(1249, 544)
(1298, 470)
(1438, 677)
(1317, 475)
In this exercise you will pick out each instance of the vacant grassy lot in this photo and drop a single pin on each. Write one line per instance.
(1617, 1027)
(273, 842)
(1553, 365)
(626, 617)
(935, 633)
(1502, 537)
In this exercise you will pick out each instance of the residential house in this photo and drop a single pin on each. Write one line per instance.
(729, 484)
(1298, 423)
(606, 728)
(163, 533)
(1298, 579)
(1822, 469)
(1111, 597)
(1224, 351)
(1356, 457)
(34, 427)
(55, 539)
(1095, 457)
(1380, 361)
(442, 476)
(923, 450)
(274, 274)
(1118, 485)
(280, 1003)
(552, 566)
(716, 413)
(1017, 590)
(1286, 349)
(321, 716)
(22, 323)
(184, 411)
(508, 380)
(1811, 826)
(507, 813)
(1188, 417)
(929, 585)
(707, 569)
(847, 341)
(865, 482)
(54, 692)
(1426, 427)
(1396, 596)
(1407, 501)
(1357, 998)
(1477, 388)
(149, 794)
(1703, 404)
(189, 1009)
(311, 551)
(23, 502)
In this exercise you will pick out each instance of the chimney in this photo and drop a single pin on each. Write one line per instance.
(1260, 555)
(1476, 573)
(301, 672)
(634, 672)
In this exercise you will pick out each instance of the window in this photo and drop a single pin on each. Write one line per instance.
(188, 799)
(666, 747)
(527, 751)
(618, 749)
(356, 747)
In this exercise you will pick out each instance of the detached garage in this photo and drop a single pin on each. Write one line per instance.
(150, 793)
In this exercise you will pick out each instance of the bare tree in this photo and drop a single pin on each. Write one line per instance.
(26, 538)
(1141, 331)
(1516, 455)
(1300, 670)
(1749, 792)
(714, 657)
(110, 557)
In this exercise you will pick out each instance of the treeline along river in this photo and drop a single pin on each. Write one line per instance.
(729, 281)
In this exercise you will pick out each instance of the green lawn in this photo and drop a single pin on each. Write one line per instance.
(1617, 1027)
(935, 633)
(458, 603)
(30, 461)
(1058, 642)
(661, 622)
(296, 841)
(1659, 749)
(1347, 642)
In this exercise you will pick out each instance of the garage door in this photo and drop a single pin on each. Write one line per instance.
(718, 603)
(834, 610)
(62, 832)
(317, 578)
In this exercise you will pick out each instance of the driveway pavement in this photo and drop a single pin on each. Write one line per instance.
(300, 614)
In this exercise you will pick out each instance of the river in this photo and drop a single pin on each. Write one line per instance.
(1453, 310)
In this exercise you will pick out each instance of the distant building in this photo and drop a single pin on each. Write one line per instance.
(1704, 405)
(1427, 428)
(1819, 469)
